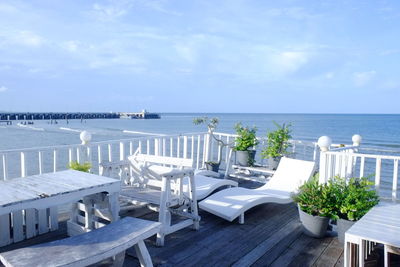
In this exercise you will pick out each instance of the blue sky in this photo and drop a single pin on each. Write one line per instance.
(200, 56)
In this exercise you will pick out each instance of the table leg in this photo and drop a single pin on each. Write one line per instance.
(361, 254)
(113, 206)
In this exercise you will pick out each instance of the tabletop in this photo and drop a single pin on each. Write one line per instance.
(53, 188)
(381, 224)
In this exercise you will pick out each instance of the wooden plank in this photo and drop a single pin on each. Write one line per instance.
(43, 221)
(30, 223)
(310, 253)
(5, 237)
(18, 226)
(331, 254)
(86, 249)
(251, 257)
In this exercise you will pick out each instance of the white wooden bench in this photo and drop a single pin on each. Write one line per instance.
(89, 248)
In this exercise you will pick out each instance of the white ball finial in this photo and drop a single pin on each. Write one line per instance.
(356, 139)
(85, 137)
(324, 142)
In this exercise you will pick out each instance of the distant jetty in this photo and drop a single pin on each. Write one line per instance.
(12, 116)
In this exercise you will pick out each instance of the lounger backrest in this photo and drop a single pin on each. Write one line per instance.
(290, 174)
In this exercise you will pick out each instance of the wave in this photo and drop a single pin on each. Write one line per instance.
(30, 127)
(144, 133)
(70, 130)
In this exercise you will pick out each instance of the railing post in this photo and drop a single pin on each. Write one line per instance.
(208, 146)
(324, 143)
(85, 137)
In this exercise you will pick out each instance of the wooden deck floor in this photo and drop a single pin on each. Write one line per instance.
(271, 236)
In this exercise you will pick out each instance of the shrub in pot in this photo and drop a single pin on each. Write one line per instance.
(316, 207)
(75, 165)
(212, 125)
(356, 199)
(245, 141)
(277, 144)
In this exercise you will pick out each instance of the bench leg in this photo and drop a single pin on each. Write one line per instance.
(241, 218)
(143, 254)
(118, 260)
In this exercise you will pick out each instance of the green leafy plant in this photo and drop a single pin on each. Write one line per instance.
(357, 199)
(246, 137)
(316, 199)
(277, 142)
(84, 167)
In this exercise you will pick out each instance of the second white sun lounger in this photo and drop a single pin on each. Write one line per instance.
(233, 202)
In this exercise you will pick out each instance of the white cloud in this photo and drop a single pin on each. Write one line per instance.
(329, 75)
(71, 46)
(24, 38)
(361, 79)
(3, 89)
(112, 10)
(186, 52)
(289, 61)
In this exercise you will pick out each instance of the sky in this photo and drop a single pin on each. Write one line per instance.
(259, 56)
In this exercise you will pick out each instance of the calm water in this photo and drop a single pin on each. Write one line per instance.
(376, 130)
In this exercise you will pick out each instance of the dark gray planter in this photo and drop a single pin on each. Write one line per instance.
(274, 162)
(314, 226)
(243, 158)
(212, 166)
(342, 227)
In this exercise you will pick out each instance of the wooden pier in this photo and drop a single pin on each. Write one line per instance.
(13, 116)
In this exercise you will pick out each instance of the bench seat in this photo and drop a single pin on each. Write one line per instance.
(88, 248)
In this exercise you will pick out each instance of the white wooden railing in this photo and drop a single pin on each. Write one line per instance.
(349, 162)
(197, 146)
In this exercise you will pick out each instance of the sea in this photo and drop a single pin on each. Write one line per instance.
(380, 131)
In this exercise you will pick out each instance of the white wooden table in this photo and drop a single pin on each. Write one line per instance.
(380, 225)
(28, 206)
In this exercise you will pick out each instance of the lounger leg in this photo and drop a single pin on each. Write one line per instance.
(143, 254)
(241, 218)
(193, 203)
(118, 260)
(163, 217)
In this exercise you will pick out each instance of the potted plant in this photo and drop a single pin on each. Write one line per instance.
(84, 167)
(277, 144)
(245, 141)
(316, 207)
(356, 199)
(212, 125)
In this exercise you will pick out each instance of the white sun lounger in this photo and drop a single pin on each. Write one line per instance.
(204, 185)
(233, 202)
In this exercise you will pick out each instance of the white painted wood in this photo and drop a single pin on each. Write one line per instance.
(5, 237)
(198, 151)
(171, 147)
(231, 203)
(362, 166)
(36, 194)
(23, 164)
(99, 155)
(140, 147)
(70, 155)
(192, 147)
(143, 254)
(121, 151)
(131, 148)
(395, 179)
(185, 147)
(148, 146)
(378, 174)
(54, 160)
(40, 158)
(5, 167)
(178, 147)
(89, 248)
(164, 151)
(109, 152)
(78, 155)
(17, 226)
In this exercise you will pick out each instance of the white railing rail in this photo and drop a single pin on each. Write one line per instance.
(197, 146)
(348, 162)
